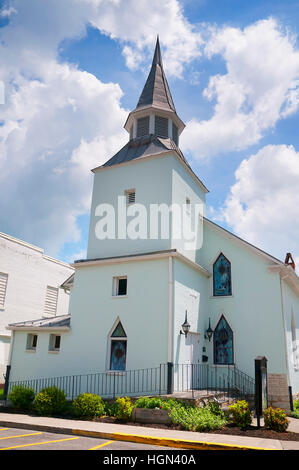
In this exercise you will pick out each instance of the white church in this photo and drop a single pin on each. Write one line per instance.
(148, 280)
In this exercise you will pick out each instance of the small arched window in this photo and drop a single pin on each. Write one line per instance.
(223, 343)
(118, 348)
(222, 283)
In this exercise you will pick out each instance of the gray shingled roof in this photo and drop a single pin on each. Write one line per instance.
(54, 322)
(156, 91)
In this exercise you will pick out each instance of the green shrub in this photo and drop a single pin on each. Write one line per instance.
(123, 408)
(240, 414)
(275, 419)
(295, 413)
(88, 405)
(21, 397)
(216, 409)
(49, 401)
(157, 402)
(110, 409)
(196, 419)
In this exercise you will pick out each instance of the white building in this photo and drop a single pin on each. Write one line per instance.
(130, 296)
(29, 288)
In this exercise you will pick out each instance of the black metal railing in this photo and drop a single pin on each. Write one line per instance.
(195, 379)
(106, 384)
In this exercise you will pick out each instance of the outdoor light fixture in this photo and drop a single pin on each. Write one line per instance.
(185, 327)
(209, 332)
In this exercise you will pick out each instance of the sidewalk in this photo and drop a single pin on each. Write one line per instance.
(145, 435)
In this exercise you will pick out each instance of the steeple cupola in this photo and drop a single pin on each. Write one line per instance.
(155, 113)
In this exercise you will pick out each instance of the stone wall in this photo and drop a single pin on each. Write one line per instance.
(278, 393)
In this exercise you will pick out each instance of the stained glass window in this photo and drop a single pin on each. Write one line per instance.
(222, 276)
(223, 343)
(118, 349)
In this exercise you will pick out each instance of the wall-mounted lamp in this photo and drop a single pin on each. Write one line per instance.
(209, 332)
(185, 327)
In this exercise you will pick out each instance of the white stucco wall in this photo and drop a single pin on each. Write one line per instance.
(29, 273)
(254, 309)
(143, 313)
(291, 306)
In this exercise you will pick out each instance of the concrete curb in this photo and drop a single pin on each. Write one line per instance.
(140, 439)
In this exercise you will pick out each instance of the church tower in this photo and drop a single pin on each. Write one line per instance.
(149, 170)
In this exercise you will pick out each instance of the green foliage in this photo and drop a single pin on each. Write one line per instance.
(123, 408)
(196, 419)
(239, 414)
(157, 402)
(88, 405)
(110, 409)
(275, 419)
(295, 413)
(216, 409)
(50, 401)
(21, 397)
(1, 393)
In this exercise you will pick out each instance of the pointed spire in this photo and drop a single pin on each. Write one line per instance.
(156, 91)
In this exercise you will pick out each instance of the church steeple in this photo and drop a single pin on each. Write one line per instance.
(155, 113)
(156, 90)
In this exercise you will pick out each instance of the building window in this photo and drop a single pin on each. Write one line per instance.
(118, 349)
(130, 196)
(3, 287)
(161, 127)
(54, 343)
(223, 343)
(31, 342)
(222, 276)
(120, 286)
(51, 301)
(143, 126)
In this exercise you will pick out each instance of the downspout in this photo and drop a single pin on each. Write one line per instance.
(8, 367)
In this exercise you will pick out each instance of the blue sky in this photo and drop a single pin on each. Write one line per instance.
(233, 70)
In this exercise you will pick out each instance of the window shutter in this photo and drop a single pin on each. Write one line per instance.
(3, 286)
(161, 127)
(51, 301)
(143, 126)
(175, 134)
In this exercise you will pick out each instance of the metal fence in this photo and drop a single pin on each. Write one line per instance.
(165, 379)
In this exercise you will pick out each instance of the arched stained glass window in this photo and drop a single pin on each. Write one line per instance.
(118, 352)
(222, 284)
(223, 343)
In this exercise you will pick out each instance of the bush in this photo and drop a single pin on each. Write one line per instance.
(239, 414)
(157, 402)
(196, 419)
(123, 408)
(216, 409)
(49, 401)
(88, 405)
(295, 413)
(275, 419)
(21, 397)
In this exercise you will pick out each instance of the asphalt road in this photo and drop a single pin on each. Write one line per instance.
(25, 439)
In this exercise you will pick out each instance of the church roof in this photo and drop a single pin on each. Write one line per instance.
(53, 322)
(156, 91)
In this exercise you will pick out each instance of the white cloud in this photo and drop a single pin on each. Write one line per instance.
(262, 206)
(259, 88)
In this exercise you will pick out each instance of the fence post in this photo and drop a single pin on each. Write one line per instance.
(169, 378)
(8, 368)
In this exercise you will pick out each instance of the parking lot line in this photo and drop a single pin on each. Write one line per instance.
(21, 435)
(101, 445)
(40, 443)
(3, 429)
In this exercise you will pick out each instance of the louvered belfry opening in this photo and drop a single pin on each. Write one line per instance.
(161, 127)
(143, 126)
(51, 301)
